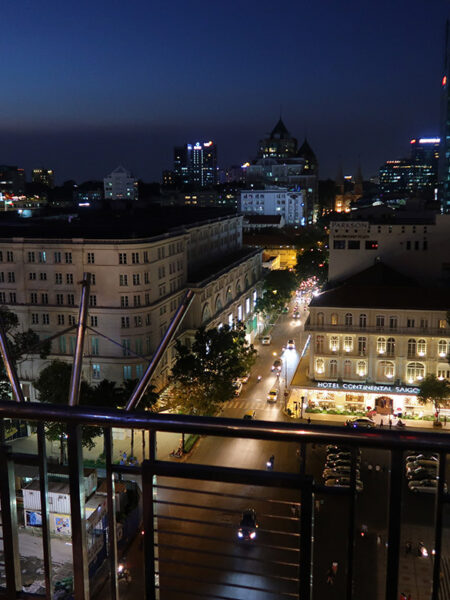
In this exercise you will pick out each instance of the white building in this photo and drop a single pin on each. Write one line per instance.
(417, 247)
(275, 201)
(141, 266)
(120, 185)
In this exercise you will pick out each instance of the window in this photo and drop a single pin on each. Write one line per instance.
(72, 344)
(60, 299)
(363, 321)
(148, 319)
(161, 272)
(353, 244)
(125, 322)
(58, 278)
(442, 324)
(123, 280)
(145, 256)
(421, 347)
(72, 320)
(2, 298)
(320, 319)
(43, 276)
(95, 371)
(138, 321)
(12, 298)
(44, 298)
(390, 347)
(146, 278)
(380, 321)
(68, 257)
(139, 371)
(122, 258)
(136, 279)
(123, 301)
(135, 258)
(31, 257)
(127, 371)
(333, 368)
(381, 345)
(423, 323)
(347, 369)
(412, 347)
(11, 277)
(34, 318)
(2, 276)
(393, 321)
(339, 245)
(443, 374)
(371, 245)
(362, 346)
(45, 319)
(60, 319)
(71, 299)
(320, 366)
(92, 300)
(410, 323)
(361, 368)
(43, 257)
(386, 368)
(415, 372)
(57, 256)
(348, 320)
(94, 346)
(33, 298)
(91, 258)
(147, 299)
(334, 319)
(348, 343)
(162, 290)
(442, 348)
(9, 256)
(62, 345)
(334, 343)
(94, 321)
(93, 278)
(69, 278)
(138, 345)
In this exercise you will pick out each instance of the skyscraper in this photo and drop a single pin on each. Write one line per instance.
(43, 176)
(444, 160)
(196, 164)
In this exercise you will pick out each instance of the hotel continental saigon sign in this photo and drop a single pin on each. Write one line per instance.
(362, 387)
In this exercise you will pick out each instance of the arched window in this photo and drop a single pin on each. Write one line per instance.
(348, 343)
(333, 368)
(386, 369)
(238, 288)
(206, 314)
(320, 366)
(218, 304)
(415, 372)
(390, 347)
(347, 369)
(320, 339)
(442, 348)
(349, 319)
(334, 343)
(421, 347)
(229, 295)
(334, 319)
(320, 319)
(412, 346)
(363, 320)
(381, 345)
(362, 368)
(246, 281)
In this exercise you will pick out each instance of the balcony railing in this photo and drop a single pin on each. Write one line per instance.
(191, 508)
(373, 329)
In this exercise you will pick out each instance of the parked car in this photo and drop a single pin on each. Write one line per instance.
(237, 387)
(245, 378)
(290, 345)
(296, 314)
(421, 473)
(428, 486)
(360, 423)
(248, 525)
(272, 396)
(249, 415)
(266, 339)
(277, 365)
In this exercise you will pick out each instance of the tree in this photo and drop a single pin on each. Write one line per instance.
(21, 344)
(436, 391)
(277, 289)
(205, 373)
(313, 262)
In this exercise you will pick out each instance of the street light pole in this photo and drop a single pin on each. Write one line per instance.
(301, 407)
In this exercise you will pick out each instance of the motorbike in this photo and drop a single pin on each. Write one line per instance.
(400, 423)
(258, 379)
(364, 530)
(269, 463)
(123, 573)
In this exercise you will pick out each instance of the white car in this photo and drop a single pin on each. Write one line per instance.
(265, 340)
(237, 387)
(290, 345)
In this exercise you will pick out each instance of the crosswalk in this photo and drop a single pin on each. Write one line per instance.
(257, 404)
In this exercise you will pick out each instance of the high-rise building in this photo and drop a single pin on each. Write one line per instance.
(279, 144)
(196, 164)
(43, 176)
(444, 161)
(12, 181)
(120, 185)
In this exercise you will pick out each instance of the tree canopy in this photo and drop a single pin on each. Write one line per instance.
(277, 289)
(313, 262)
(205, 373)
(436, 391)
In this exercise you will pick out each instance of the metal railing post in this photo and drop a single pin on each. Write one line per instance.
(9, 524)
(43, 488)
(77, 509)
(75, 379)
(111, 506)
(306, 538)
(351, 527)
(438, 524)
(9, 367)
(395, 514)
(149, 519)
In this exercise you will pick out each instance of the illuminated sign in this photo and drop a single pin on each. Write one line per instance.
(429, 140)
(444, 80)
(245, 165)
(208, 144)
(413, 141)
(362, 387)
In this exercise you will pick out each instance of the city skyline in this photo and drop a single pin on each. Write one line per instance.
(109, 88)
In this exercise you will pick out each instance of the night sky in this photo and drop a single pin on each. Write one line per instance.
(88, 85)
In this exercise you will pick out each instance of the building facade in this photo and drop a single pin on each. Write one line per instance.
(196, 164)
(45, 177)
(120, 185)
(12, 181)
(137, 284)
(444, 154)
(277, 201)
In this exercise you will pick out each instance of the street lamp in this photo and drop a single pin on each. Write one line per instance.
(301, 407)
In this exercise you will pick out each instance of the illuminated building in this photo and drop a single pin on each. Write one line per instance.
(444, 161)
(279, 144)
(12, 181)
(348, 190)
(277, 201)
(120, 185)
(45, 177)
(196, 164)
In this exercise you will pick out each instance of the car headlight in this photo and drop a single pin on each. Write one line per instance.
(240, 534)
(253, 535)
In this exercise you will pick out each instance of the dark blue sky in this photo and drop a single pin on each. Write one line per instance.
(88, 85)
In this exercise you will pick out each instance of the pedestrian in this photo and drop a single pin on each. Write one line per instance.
(309, 420)
(445, 420)
(408, 548)
(390, 423)
(293, 510)
(330, 577)
(379, 540)
(381, 423)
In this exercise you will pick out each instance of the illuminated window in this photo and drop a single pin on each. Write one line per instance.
(348, 343)
(421, 347)
(362, 368)
(386, 368)
(320, 343)
(334, 319)
(333, 368)
(381, 345)
(442, 348)
(320, 366)
(334, 343)
(390, 347)
(415, 372)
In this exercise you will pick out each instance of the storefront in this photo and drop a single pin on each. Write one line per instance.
(382, 399)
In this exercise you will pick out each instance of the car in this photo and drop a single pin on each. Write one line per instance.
(360, 423)
(266, 339)
(249, 415)
(415, 457)
(237, 387)
(421, 473)
(338, 472)
(277, 365)
(333, 464)
(290, 345)
(244, 379)
(248, 525)
(296, 315)
(344, 482)
(332, 448)
(272, 396)
(428, 486)
(422, 464)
